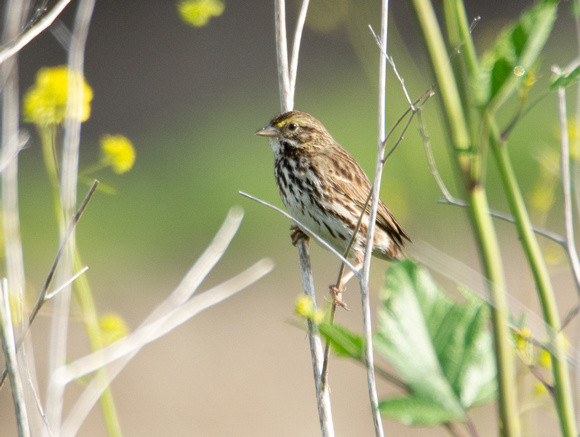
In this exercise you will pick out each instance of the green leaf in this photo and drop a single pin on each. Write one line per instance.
(564, 80)
(414, 411)
(441, 349)
(515, 53)
(344, 342)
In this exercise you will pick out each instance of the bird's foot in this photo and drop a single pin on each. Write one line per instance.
(336, 294)
(297, 235)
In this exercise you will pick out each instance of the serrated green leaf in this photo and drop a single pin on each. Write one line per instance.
(566, 79)
(345, 343)
(516, 51)
(404, 339)
(440, 348)
(415, 411)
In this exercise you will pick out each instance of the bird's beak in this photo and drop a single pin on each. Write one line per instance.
(267, 131)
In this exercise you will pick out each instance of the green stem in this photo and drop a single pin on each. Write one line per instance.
(462, 137)
(84, 295)
(484, 230)
(91, 320)
(562, 386)
(48, 140)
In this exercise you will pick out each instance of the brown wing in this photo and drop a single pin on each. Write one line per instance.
(349, 178)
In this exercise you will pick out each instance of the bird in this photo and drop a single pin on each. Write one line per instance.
(325, 189)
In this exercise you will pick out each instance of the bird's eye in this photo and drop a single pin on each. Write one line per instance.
(292, 126)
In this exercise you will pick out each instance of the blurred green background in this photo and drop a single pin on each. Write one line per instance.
(191, 99)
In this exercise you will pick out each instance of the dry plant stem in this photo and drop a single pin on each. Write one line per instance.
(286, 100)
(286, 85)
(189, 284)
(42, 297)
(313, 234)
(150, 332)
(364, 281)
(546, 233)
(175, 310)
(15, 46)
(9, 349)
(117, 354)
(68, 194)
(567, 187)
(318, 362)
(14, 19)
(296, 49)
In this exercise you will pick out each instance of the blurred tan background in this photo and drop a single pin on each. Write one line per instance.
(190, 99)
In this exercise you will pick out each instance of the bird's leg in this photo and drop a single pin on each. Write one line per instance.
(336, 290)
(297, 235)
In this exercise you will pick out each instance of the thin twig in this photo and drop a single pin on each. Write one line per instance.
(364, 281)
(431, 160)
(171, 312)
(415, 107)
(156, 327)
(69, 232)
(567, 187)
(42, 295)
(66, 284)
(68, 195)
(33, 32)
(313, 234)
(282, 55)
(286, 84)
(296, 49)
(555, 237)
(324, 374)
(392, 62)
(9, 349)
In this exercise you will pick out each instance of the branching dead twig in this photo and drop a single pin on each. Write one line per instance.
(42, 297)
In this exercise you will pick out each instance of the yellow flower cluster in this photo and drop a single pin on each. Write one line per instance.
(45, 102)
(118, 152)
(113, 328)
(305, 307)
(198, 12)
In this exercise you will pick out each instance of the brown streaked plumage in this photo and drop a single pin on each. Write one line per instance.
(324, 188)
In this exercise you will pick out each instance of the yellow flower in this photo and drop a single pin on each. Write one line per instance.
(113, 328)
(305, 308)
(45, 102)
(118, 152)
(198, 12)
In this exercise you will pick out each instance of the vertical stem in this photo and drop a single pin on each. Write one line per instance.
(461, 141)
(567, 186)
(286, 83)
(68, 195)
(562, 387)
(15, 12)
(489, 251)
(364, 282)
(286, 101)
(316, 351)
(296, 49)
(9, 349)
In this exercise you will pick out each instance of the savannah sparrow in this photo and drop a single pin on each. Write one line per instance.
(325, 189)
